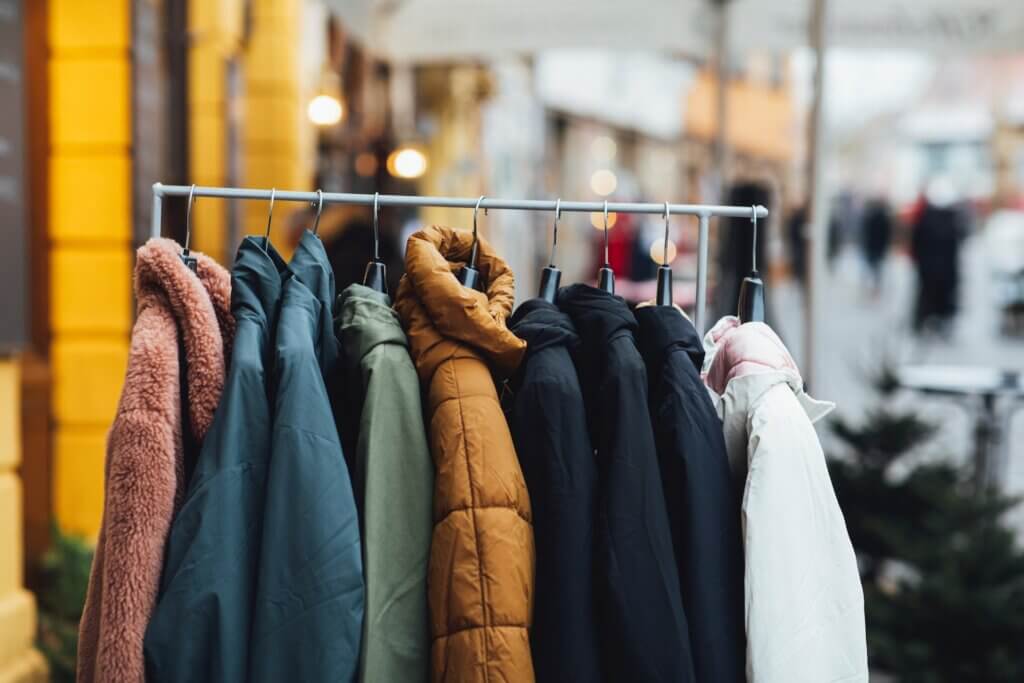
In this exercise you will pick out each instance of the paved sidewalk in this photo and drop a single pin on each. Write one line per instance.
(861, 332)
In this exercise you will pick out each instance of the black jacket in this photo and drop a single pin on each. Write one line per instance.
(549, 427)
(703, 511)
(643, 627)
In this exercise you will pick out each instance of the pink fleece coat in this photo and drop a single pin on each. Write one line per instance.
(145, 460)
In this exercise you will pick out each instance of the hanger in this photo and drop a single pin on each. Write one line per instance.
(270, 217)
(750, 308)
(469, 276)
(190, 261)
(664, 291)
(605, 275)
(551, 276)
(319, 210)
(376, 275)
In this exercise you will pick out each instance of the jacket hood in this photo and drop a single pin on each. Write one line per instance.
(161, 278)
(666, 328)
(312, 268)
(595, 312)
(541, 325)
(432, 257)
(365, 320)
(744, 361)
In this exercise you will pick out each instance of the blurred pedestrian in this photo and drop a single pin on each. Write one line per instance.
(876, 235)
(795, 229)
(935, 244)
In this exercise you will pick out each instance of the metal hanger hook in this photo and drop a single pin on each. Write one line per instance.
(188, 218)
(606, 233)
(753, 241)
(270, 217)
(319, 210)
(668, 216)
(554, 235)
(376, 233)
(475, 210)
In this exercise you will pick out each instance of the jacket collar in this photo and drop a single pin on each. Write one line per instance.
(256, 279)
(476, 318)
(596, 313)
(664, 329)
(744, 361)
(365, 320)
(312, 268)
(541, 325)
(161, 279)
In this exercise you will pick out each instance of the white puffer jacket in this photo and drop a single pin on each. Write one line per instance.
(804, 603)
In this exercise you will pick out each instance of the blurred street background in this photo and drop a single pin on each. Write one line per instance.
(886, 139)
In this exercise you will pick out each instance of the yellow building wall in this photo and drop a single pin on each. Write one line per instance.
(19, 663)
(275, 145)
(216, 30)
(89, 166)
(89, 234)
(276, 131)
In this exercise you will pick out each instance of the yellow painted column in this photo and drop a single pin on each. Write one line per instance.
(277, 134)
(19, 663)
(216, 32)
(89, 233)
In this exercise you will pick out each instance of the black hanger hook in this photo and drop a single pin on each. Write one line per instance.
(270, 217)
(319, 210)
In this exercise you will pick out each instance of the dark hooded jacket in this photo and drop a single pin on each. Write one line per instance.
(643, 628)
(199, 630)
(704, 513)
(549, 426)
(308, 617)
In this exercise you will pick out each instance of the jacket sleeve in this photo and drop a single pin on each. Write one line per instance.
(396, 474)
(804, 603)
(142, 471)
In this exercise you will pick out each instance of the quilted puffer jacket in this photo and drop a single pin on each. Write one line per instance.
(481, 573)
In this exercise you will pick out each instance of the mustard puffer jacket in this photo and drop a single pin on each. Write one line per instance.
(480, 580)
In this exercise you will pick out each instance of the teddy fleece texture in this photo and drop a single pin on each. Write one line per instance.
(144, 472)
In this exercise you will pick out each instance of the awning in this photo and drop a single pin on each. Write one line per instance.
(440, 30)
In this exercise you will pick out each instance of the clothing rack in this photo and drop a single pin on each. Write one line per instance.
(704, 212)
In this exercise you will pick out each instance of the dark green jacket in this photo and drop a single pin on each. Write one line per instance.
(199, 630)
(394, 478)
(309, 600)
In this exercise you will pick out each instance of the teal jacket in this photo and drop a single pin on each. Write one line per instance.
(308, 618)
(394, 478)
(199, 630)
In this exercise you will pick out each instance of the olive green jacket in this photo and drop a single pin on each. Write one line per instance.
(394, 482)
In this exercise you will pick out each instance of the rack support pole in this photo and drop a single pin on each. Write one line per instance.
(700, 312)
(155, 219)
